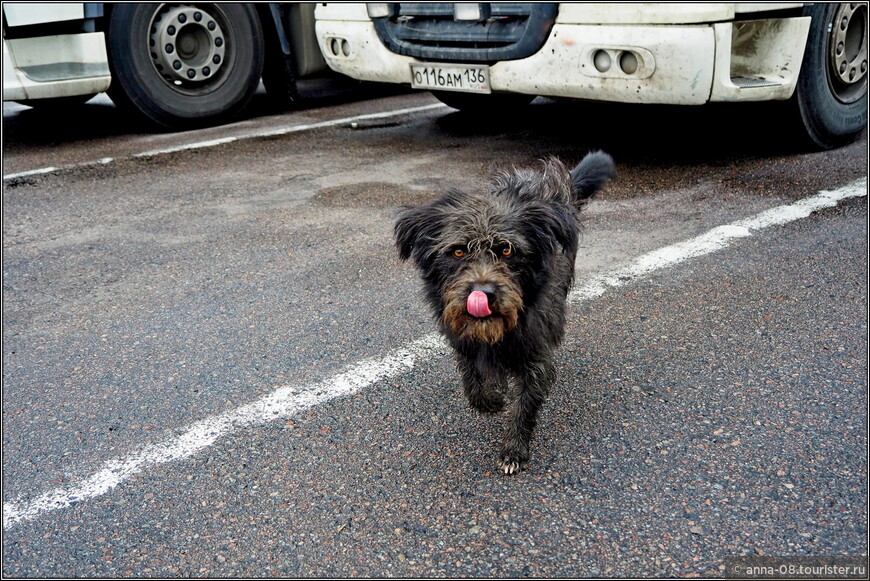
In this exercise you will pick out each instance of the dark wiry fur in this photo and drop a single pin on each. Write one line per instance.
(517, 243)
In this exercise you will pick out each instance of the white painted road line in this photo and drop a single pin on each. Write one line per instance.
(713, 240)
(284, 402)
(221, 141)
(289, 400)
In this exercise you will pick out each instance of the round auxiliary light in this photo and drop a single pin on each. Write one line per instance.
(628, 63)
(601, 60)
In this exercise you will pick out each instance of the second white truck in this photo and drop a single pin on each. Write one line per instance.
(483, 56)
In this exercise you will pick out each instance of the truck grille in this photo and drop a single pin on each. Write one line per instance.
(429, 31)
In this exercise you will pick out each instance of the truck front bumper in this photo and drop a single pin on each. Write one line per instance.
(683, 64)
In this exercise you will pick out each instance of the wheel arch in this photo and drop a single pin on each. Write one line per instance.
(291, 26)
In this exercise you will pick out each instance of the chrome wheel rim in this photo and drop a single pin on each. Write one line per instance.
(847, 52)
(187, 46)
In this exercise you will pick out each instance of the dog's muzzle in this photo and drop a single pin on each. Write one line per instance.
(482, 303)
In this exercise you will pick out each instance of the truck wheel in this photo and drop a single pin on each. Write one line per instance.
(472, 103)
(184, 65)
(831, 92)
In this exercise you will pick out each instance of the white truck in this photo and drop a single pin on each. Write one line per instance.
(480, 57)
(175, 64)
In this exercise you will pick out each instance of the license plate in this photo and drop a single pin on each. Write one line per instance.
(466, 78)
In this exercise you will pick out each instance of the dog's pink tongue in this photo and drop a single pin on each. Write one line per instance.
(478, 304)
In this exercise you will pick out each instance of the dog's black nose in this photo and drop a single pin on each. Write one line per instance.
(487, 289)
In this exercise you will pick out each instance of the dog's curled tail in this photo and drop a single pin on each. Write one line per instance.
(590, 175)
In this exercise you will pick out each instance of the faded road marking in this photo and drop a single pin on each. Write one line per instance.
(713, 240)
(220, 141)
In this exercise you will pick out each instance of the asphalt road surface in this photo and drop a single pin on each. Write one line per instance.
(214, 363)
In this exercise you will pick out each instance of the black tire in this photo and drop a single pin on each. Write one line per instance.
(483, 104)
(209, 76)
(832, 107)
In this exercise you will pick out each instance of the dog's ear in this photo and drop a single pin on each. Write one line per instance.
(548, 225)
(416, 230)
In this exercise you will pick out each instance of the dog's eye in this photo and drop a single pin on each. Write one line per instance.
(506, 250)
(459, 252)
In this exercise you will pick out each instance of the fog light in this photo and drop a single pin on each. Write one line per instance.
(602, 62)
(345, 48)
(628, 63)
(335, 46)
(471, 12)
(380, 10)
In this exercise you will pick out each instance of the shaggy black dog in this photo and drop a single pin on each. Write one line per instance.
(497, 266)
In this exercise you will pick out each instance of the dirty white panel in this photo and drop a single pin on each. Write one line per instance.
(644, 13)
(24, 14)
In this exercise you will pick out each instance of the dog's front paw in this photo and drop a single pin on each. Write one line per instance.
(489, 404)
(510, 464)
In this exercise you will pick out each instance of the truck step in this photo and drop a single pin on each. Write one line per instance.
(752, 82)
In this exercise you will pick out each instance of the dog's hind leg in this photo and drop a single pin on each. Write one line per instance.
(485, 392)
(533, 386)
